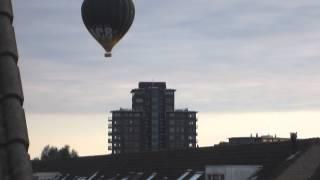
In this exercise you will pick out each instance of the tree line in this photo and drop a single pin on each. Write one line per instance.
(54, 153)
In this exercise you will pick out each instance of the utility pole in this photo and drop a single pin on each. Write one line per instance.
(14, 159)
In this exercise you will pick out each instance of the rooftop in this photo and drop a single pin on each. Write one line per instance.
(273, 157)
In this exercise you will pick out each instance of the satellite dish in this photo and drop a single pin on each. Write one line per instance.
(108, 20)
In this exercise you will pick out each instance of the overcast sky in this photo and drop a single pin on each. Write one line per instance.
(245, 57)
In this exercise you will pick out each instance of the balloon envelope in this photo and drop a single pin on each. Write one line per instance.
(108, 20)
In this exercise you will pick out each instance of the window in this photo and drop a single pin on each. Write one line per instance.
(116, 114)
(171, 130)
(139, 100)
(215, 176)
(169, 100)
(136, 114)
(169, 92)
(171, 137)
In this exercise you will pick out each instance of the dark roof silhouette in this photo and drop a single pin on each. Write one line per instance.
(14, 142)
(274, 157)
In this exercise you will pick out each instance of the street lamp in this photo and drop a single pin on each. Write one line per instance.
(14, 159)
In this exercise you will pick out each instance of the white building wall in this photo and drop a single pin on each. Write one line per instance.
(231, 172)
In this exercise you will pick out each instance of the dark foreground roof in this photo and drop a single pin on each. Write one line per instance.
(172, 164)
(14, 159)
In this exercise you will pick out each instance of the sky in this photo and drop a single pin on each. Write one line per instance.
(246, 66)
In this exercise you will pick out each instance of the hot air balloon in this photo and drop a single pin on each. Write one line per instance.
(108, 20)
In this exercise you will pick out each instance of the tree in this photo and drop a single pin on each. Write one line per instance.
(53, 153)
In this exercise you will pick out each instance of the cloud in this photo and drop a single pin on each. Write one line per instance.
(220, 55)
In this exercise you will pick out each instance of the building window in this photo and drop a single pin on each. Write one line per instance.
(139, 100)
(215, 176)
(171, 137)
(182, 137)
(169, 92)
(171, 130)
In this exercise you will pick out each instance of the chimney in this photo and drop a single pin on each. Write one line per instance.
(293, 138)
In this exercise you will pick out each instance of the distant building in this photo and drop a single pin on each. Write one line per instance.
(152, 124)
(255, 139)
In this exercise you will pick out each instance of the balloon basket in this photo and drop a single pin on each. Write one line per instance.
(108, 54)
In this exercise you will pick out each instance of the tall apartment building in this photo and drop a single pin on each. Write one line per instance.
(153, 123)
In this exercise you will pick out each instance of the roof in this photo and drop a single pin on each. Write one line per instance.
(14, 160)
(172, 164)
(152, 84)
(316, 175)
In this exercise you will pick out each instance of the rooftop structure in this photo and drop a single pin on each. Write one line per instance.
(255, 139)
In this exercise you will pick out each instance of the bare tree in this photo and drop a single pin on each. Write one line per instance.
(53, 153)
